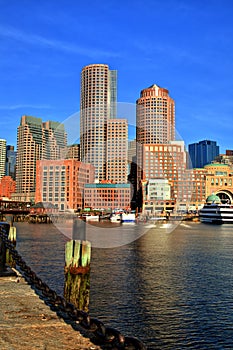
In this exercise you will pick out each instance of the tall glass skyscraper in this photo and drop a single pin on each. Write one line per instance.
(98, 105)
(202, 153)
(10, 161)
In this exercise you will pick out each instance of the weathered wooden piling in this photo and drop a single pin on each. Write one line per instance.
(4, 267)
(12, 237)
(77, 267)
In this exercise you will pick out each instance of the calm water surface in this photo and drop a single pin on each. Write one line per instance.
(171, 290)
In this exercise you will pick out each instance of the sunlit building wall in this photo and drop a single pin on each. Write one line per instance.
(97, 106)
(155, 120)
(36, 140)
(61, 182)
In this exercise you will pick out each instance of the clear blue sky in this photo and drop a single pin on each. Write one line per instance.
(185, 46)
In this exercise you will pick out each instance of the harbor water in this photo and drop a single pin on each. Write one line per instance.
(172, 289)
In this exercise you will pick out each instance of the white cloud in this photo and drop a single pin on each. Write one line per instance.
(22, 106)
(38, 40)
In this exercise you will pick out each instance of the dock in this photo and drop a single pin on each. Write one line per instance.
(27, 323)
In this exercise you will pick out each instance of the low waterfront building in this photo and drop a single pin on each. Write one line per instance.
(156, 196)
(226, 158)
(107, 196)
(219, 180)
(61, 182)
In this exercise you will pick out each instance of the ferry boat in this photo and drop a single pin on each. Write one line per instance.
(216, 212)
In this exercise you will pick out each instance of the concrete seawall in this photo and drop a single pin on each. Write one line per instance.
(27, 323)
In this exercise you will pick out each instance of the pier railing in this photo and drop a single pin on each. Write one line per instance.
(108, 336)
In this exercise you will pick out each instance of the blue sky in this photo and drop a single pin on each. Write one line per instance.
(185, 46)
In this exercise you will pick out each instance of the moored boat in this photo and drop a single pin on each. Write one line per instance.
(216, 212)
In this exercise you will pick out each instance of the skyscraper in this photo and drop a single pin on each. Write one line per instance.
(202, 153)
(97, 106)
(155, 120)
(2, 157)
(10, 161)
(117, 151)
(35, 141)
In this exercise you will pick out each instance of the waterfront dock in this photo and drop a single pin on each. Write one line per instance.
(27, 323)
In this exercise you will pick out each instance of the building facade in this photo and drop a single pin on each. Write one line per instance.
(202, 153)
(72, 152)
(61, 182)
(107, 196)
(11, 161)
(36, 140)
(97, 106)
(2, 157)
(155, 121)
(226, 158)
(7, 187)
(117, 151)
(219, 180)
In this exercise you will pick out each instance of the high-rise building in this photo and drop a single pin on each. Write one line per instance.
(10, 161)
(2, 157)
(202, 153)
(36, 140)
(117, 151)
(72, 152)
(97, 106)
(155, 120)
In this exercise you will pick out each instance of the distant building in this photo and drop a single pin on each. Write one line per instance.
(97, 106)
(61, 182)
(219, 180)
(36, 140)
(2, 157)
(132, 151)
(198, 180)
(225, 158)
(107, 196)
(117, 151)
(167, 161)
(72, 152)
(7, 187)
(202, 153)
(11, 161)
(155, 121)
(157, 196)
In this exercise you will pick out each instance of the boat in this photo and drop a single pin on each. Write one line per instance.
(128, 217)
(115, 218)
(92, 218)
(216, 212)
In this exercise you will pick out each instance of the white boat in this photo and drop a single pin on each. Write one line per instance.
(116, 218)
(215, 212)
(92, 218)
(128, 217)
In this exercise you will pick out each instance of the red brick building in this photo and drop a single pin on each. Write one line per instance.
(61, 182)
(7, 186)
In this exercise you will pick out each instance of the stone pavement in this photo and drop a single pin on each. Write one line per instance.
(27, 323)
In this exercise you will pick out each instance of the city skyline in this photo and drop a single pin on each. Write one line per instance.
(185, 47)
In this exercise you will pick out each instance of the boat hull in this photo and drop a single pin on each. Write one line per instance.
(216, 214)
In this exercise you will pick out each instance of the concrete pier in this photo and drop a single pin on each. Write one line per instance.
(27, 323)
